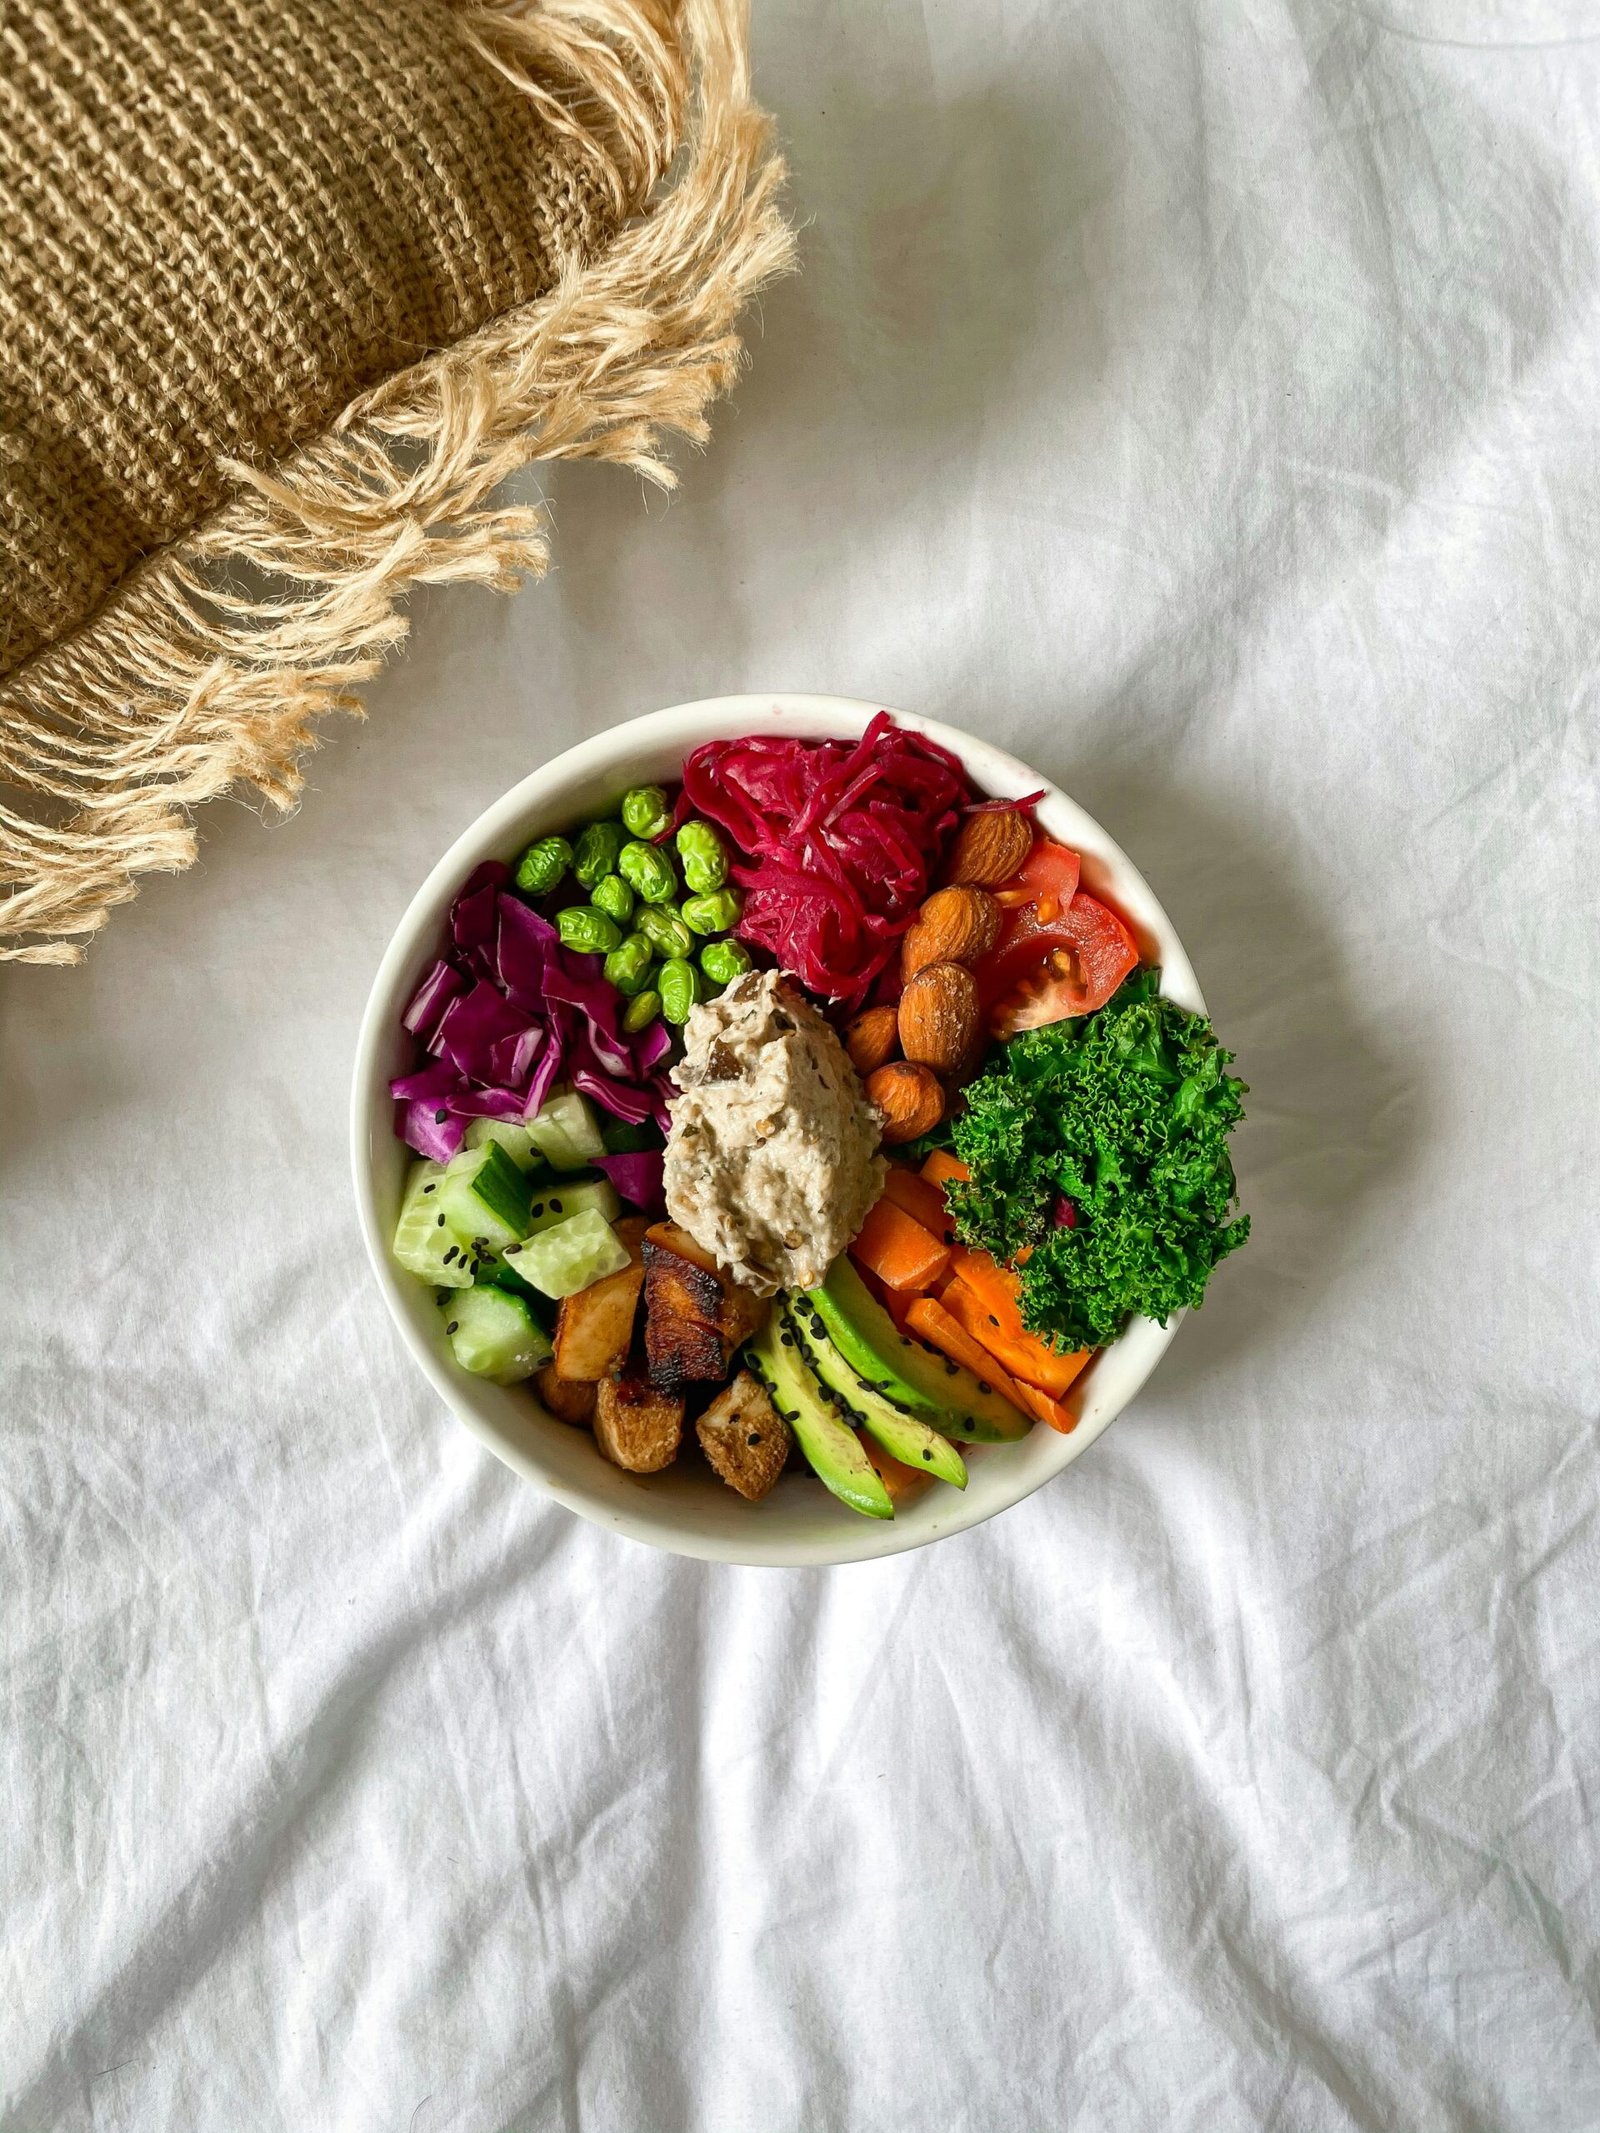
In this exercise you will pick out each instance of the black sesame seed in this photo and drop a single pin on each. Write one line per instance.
(982, 1387)
(451, 1254)
(427, 1189)
(439, 1117)
(555, 1207)
(754, 1437)
(454, 1326)
(927, 1455)
(993, 1320)
(950, 1369)
(440, 1223)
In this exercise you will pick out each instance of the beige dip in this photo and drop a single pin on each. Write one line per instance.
(772, 1159)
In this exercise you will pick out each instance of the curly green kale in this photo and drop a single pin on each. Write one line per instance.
(1126, 1113)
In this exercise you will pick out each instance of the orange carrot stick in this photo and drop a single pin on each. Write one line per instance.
(931, 1322)
(922, 1201)
(895, 1247)
(1022, 1353)
(1055, 1412)
(942, 1168)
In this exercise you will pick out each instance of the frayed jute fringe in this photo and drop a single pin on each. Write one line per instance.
(207, 667)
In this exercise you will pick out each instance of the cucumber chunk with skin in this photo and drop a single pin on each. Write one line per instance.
(572, 1254)
(484, 1198)
(493, 1334)
(424, 1244)
(516, 1140)
(495, 1274)
(914, 1443)
(566, 1132)
(558, 1200)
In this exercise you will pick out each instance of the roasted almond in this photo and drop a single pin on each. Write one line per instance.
(909, 1098)
(940, 1017)
(870, 1039)
(953, 926)
(989, 848)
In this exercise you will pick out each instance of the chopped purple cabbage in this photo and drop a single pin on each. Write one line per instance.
(431, 1130)
(430, 999)
(508, 1011)
(637, 1177)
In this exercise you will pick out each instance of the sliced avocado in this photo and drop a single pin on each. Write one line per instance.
(831, 1447)
(902, 1436)
(909, 1375)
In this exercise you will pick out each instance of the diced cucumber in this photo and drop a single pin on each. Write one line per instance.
(558, 1200)
(493, 1335)
(515, 1139)
(484, 1197)
(495, 1274)
(571, 1256)
(566, 1132)
(424, 1243)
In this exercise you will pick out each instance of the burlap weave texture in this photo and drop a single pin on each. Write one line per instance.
(221, 221)
(293, 285)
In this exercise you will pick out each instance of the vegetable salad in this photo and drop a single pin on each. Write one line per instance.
(1056, 1129)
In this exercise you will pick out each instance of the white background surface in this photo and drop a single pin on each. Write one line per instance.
(1201, 401)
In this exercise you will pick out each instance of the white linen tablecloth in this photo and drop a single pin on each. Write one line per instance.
(1205, 402)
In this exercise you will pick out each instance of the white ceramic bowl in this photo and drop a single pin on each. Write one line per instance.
(687, 1509)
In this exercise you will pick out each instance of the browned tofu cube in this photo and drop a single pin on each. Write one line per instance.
(695, 1315)
(565, 1399)
(594, 1329)
(744, 1313)
(744, 1437)
(636, 1425)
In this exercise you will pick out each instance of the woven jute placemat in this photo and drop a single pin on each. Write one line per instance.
(288, 288)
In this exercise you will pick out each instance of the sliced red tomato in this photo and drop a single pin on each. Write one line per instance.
(1044, 972)
(1042, 886)
(1031, 902)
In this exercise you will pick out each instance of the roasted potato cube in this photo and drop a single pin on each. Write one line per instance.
(744, 1437)
(567, 1400)
(594, 1329)
(636, 1425)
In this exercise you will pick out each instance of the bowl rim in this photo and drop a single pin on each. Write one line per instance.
(414, 940)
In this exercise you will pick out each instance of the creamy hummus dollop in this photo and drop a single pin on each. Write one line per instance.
(772, 1158)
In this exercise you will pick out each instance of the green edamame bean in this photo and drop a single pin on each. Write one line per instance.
(713, 913)
(612, 895)
(679, 985)
(582, 927)
(543, 864)
(648, 869)
(629, 964)
(723, 961)
(664, 930)
(641, 1011)
(704, 857)
(598, 847)
(645, 811)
